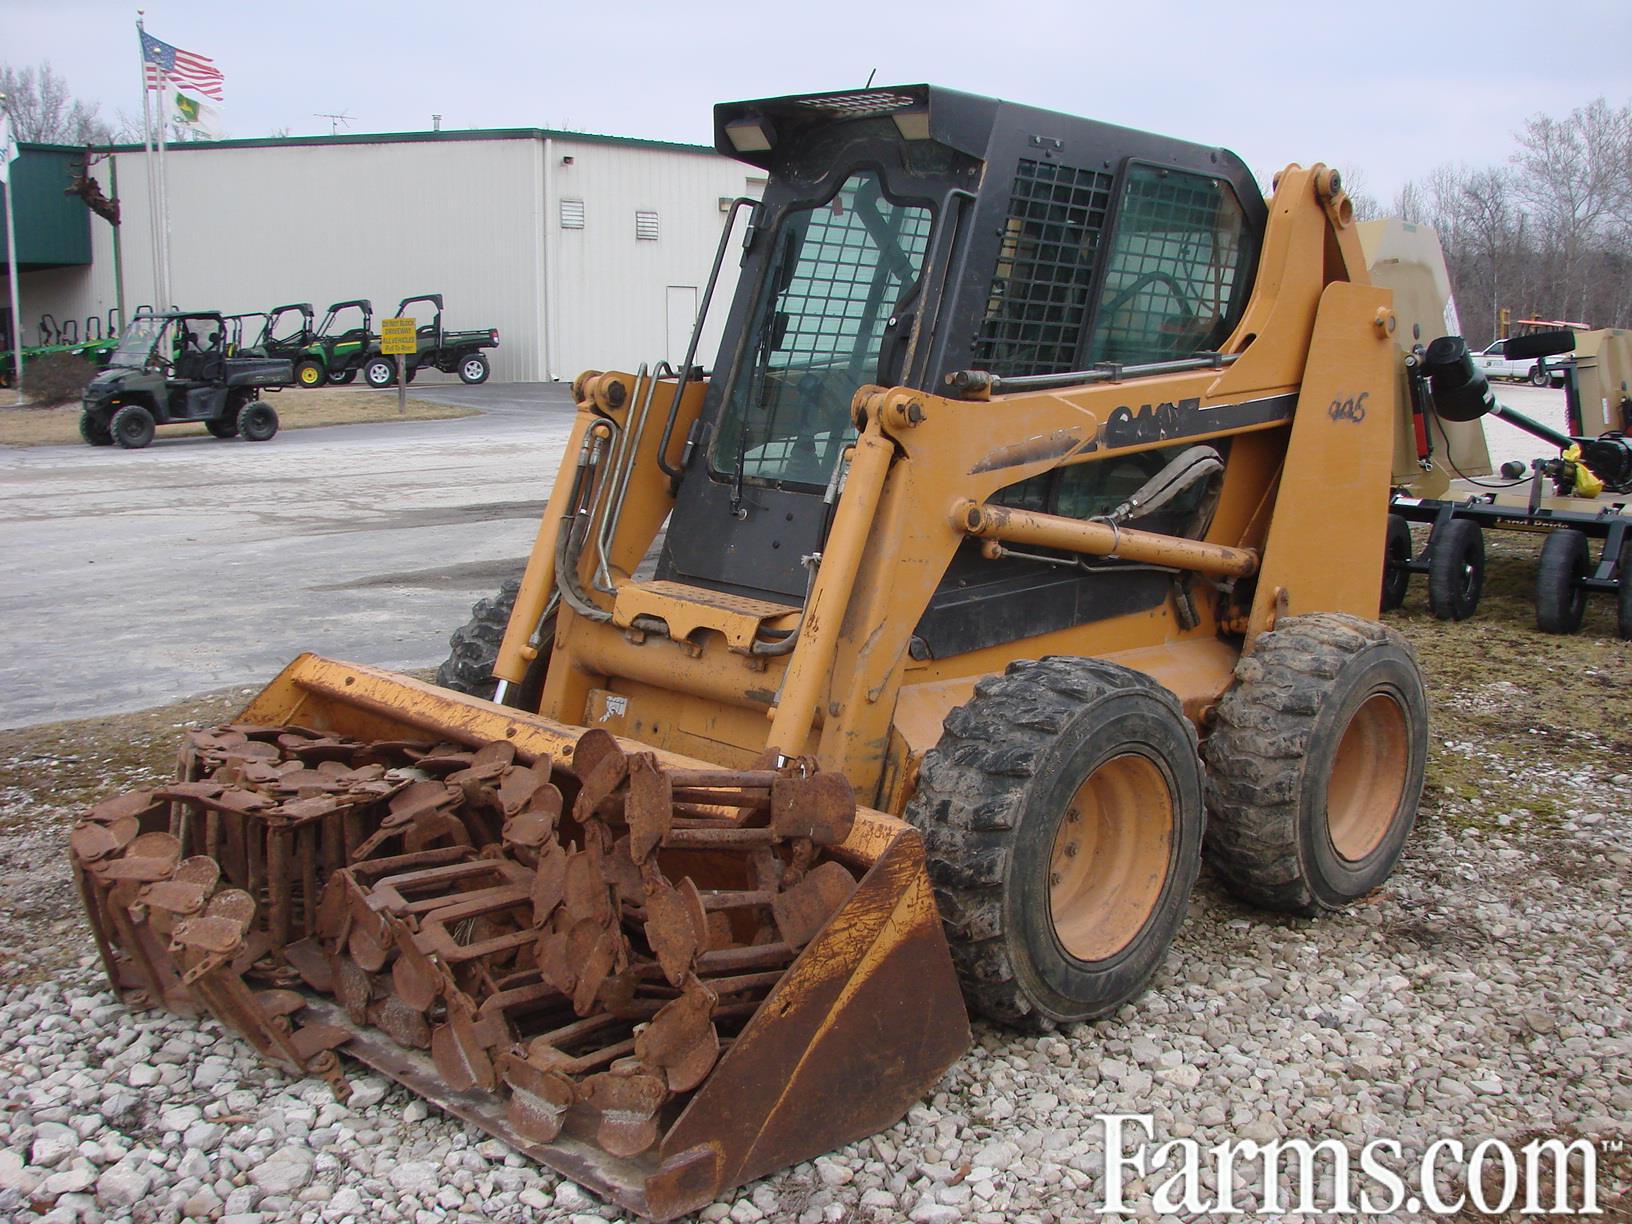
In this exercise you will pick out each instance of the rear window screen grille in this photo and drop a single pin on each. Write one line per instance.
(1038, 305)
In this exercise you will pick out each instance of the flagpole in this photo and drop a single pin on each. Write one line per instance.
(152, 172)
(164, 187)
(12, 273)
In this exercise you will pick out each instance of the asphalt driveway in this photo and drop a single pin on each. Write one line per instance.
(131, 578)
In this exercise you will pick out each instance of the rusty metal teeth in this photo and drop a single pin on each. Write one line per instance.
(584, 941)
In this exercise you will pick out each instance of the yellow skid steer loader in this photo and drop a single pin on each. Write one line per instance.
(1032, 508)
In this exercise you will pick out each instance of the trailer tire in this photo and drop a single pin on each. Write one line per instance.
(257, 422)
(1053, 752)
(339, 378)
(1396, 556)
(1539, 376)
(1623, 593)
(224, 429)
(1561, 600)
(132, 427)
(1456, 570)
(473, 369)
(379, 372)
(474, 649)
(95, 432)
(310, 374)
(1316, 762)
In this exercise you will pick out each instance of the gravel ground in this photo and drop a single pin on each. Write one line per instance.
(1483, 993)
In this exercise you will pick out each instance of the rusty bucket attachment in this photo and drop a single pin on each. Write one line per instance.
(661, 978)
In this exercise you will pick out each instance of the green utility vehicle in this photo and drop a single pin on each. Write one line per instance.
(93, 344)
(339, 347)
(286, 332)
(452, 352)
(173, 369)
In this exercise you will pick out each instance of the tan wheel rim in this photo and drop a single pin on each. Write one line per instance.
(1110, 857)
(1368, 777)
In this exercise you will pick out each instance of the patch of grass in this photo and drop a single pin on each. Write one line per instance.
(1513, 708)
(296, 408)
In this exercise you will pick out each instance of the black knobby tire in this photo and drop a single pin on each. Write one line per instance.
(1396, 556)
(1315, 763)
(1052, 751)
(132, 427)
(95, 432)
(1456, 570)
(224, 429)
(257, 421)
(474, 649)
(1623, 594)
(310, 374)
(379, 372)
(1561, 600)
(473, 368)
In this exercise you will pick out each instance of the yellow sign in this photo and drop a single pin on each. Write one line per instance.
(397, 336)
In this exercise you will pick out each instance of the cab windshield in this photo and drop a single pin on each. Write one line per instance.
(136, 342)
(839, 272)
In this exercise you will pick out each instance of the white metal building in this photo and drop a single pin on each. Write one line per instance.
(584, 251)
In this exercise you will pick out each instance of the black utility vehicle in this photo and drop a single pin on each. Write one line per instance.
(173, 369)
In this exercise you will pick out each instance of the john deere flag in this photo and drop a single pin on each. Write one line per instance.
(8, 147)
(200, 116)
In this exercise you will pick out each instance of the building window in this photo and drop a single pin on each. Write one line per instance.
(572, 214)
(645, 226)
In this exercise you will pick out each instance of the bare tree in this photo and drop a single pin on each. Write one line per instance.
(1409, 205)
(1573, 175)
(41, 109)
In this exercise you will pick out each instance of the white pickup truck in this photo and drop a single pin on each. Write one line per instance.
(1495, 362)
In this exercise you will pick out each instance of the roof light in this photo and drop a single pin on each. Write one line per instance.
(754, 135)
(913, 124)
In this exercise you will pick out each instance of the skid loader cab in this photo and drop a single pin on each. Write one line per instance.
(909, 233)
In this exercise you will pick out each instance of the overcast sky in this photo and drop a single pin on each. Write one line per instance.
(1387, 92)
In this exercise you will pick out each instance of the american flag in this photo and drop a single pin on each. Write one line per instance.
(182, 69)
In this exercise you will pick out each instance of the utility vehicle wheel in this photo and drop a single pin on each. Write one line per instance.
(96, 433)
(309, 374)
(475, 648)
(225, 428)
(473, 368)
(132, 427)
(1623, 596)
(1315, 764)
(380, 372)
(257, 421)
(1561, 600)
(340, 378)
(1456, 569)
(1396, 556)
(1062, 817)
(1538, 376)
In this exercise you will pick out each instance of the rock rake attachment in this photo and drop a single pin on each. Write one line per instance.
(660, 978)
